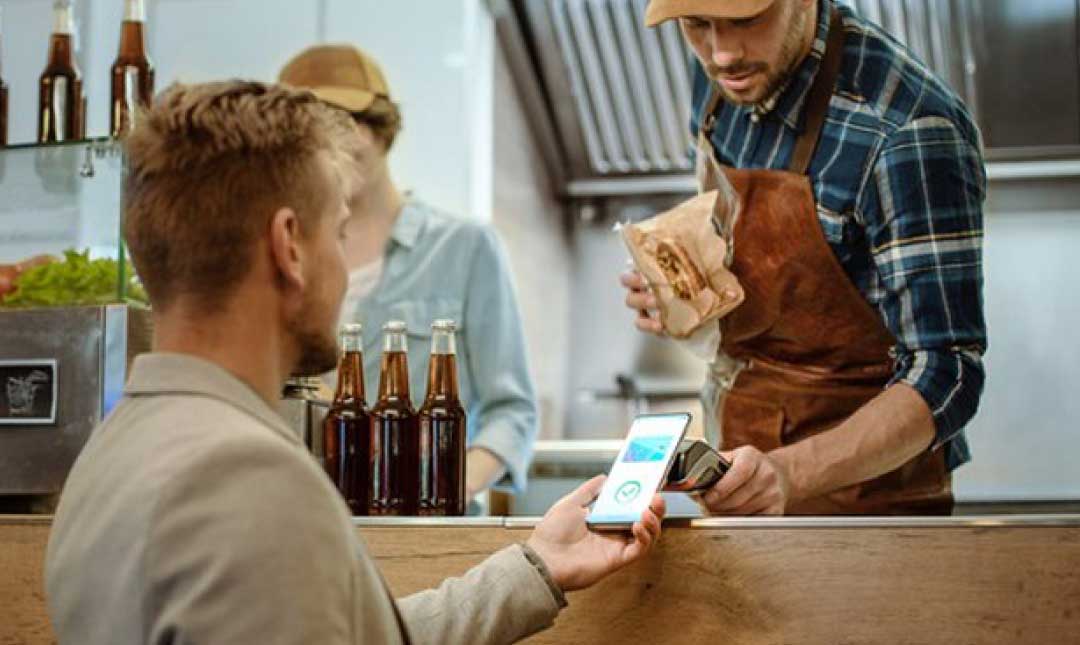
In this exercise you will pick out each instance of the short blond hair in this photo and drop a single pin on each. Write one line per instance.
(209, 165)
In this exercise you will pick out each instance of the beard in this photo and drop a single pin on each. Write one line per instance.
(317, 348)
(775, 76)
(319, 353)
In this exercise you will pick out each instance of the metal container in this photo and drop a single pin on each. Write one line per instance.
(62, 371)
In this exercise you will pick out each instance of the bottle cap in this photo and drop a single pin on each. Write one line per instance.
(395, 326)
(444, 325)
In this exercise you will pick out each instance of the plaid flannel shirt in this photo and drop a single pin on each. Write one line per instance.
(899, 181)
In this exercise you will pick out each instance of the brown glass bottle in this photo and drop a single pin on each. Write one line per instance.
(395, 478)
(132, 73)
(442, 429)
(61, 106)
(347, 427)
(3, 89)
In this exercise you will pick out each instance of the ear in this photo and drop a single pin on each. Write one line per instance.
(286, 252)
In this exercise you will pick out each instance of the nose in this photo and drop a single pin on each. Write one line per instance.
(727, 47)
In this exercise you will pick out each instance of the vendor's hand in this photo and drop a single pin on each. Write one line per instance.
(756, 484)
(578, 557)
(643, 302)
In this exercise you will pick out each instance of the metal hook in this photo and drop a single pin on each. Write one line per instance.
(87, 169)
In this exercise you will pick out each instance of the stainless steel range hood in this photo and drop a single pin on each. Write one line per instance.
(610, 99)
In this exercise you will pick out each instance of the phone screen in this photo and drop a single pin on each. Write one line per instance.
(639, 469)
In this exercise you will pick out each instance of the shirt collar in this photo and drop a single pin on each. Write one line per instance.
(788, 100)
(163, 374)
(408, 225)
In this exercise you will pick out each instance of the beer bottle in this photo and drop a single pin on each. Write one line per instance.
(132, 73)
(442, 429)
(347, 427)
(61, 106)
(3, 89)
(395, 477)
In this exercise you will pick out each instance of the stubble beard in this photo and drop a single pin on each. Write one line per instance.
(777, 76)
(317, 349)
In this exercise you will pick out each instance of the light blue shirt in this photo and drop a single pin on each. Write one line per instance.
(438, 266)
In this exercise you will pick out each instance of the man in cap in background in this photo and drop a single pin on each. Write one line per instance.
(844, 380)
(408, 261)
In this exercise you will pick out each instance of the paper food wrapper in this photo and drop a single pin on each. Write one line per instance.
(682, 256)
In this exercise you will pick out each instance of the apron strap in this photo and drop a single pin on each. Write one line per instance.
(817, 102)
(709, 123)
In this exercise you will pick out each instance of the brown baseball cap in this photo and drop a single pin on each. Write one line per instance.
(341, 75)
(660, 10)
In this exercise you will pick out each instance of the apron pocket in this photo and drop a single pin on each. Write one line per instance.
(749, 421)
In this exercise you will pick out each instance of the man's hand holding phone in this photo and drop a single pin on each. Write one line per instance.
(578, 557)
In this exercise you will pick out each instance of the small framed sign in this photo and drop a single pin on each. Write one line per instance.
(28, 391)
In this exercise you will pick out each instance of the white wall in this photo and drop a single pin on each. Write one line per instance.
(533, 226)
(437, 55)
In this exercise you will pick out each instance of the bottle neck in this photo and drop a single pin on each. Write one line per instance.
(394, 377)
(132, 41)
(442, 382)
(135, 11)
(395, 342)
(443, 342)
(63, 20)
(350, 385)
(61, 52)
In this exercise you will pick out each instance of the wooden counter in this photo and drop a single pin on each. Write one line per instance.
(1007, 579)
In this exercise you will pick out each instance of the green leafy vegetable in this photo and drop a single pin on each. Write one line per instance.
(76, 281)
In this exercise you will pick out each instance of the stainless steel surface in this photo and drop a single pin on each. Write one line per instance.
(1051, 169)
(527, 84)
(628, 87)
(1037, 167)
(784, 523)
(619, 94)
(90, 347)
(680, 184)
(988, 522)
(557, 83)
(430, 522)
(605, 343)
(1028, 85)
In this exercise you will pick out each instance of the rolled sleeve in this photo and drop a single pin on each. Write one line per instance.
(924, 220)
(503, 415)
(951, 383)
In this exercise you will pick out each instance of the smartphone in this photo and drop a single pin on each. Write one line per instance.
(639, 470)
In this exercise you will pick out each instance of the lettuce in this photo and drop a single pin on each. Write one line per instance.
(76, 281)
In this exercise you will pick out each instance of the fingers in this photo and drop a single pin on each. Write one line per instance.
(639, 545)
(658, 506)
(586, 493)
(641, 300)
(649, 325)
(633, 280)
(744, 465)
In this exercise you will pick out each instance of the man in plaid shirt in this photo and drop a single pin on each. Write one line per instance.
(896, 185)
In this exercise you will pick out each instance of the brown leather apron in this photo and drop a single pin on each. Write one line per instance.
(805, 350)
